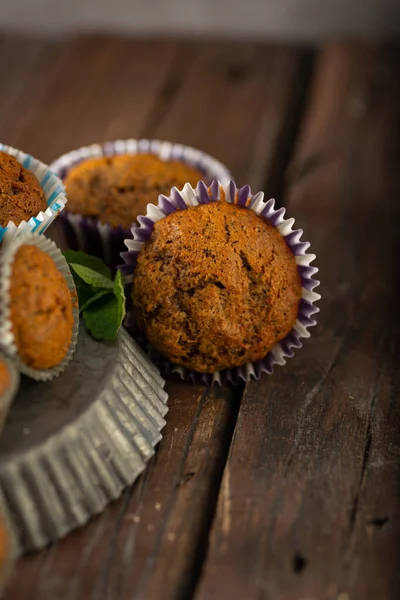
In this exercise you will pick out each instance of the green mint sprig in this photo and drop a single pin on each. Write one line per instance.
(101, 298)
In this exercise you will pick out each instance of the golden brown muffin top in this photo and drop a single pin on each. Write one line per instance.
(215, 287)
(21, 196)
(5, 379)
(117, 189)
(41, 309)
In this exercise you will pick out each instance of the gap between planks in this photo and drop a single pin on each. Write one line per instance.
(312, 490)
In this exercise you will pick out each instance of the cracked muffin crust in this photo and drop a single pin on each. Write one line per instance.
(21, 196)
(215, 287)
(116, 189)
(41, 309)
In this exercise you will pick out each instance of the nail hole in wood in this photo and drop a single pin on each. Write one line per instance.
(379, 522)
(187, 476)
(236, 73)
(299, 563)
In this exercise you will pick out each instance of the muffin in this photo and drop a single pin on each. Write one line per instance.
(215, 287)
(40, 309)
(116, 189)
(21, 195)
(4, 543)
(6, 552)
(5, 379)
(9, 382)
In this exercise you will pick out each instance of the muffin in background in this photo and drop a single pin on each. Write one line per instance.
(90, 233)
(21, 196)
(215, 287)
(31, 195)
(116, 189)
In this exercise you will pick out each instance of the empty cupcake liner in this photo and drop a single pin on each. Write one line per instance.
(180, 200)
(7, 397)
(7, 341)
(54, 191)
(106, 242)
(86, 443)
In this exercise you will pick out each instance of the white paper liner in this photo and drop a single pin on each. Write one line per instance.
(181, 200)
(54, 192)
(7, 341)
(8, 396)
(94, 237)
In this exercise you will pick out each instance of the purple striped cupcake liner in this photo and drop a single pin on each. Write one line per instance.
(180, 200)
(93, 236)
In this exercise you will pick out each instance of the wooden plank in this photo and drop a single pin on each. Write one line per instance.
(240, 103)
(20, 57)
(158, 556)
(151, 543)
(163, 515)
(309, 502)
(96, 89)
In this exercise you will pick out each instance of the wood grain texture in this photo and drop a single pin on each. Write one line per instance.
(133, 548)
(309, 501)
(240, 103)
(89, 90)
(152, 542)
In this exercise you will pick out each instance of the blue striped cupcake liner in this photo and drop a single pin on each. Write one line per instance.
(181, 200)
(53, 189)
(93, 236)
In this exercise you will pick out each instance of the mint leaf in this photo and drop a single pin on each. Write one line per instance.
(91, 298)
(91, 277)
(92, 262)
(118, 285)
(119, 293)
(103, 317)
(101, 300)
(84, 292)
(104, 313)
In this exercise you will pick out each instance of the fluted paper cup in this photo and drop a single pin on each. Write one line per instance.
(7, 340)
(94, 237)
(54, 192)
(187, 197)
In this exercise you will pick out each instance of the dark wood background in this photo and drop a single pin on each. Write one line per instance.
(285, 488)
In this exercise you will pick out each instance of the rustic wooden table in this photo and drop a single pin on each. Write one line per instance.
(286, 488)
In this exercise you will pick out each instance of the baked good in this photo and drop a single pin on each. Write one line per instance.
(116, 189)
(215, 287)
(5, 379)
(41, 309)
(21, 196)
(4, 544)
